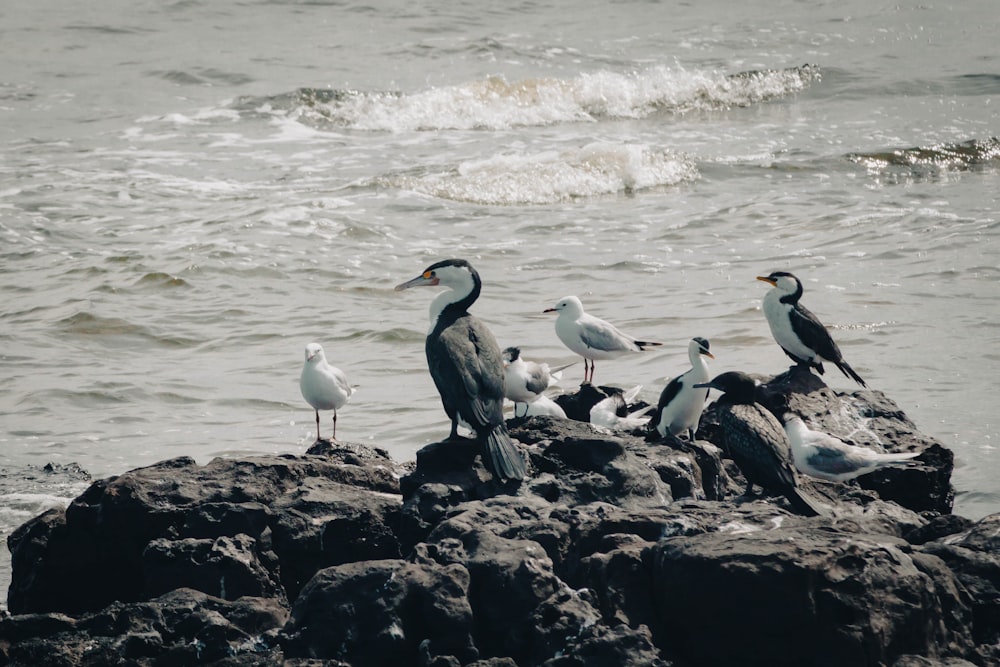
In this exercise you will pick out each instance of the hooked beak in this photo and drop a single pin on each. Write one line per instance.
(770, 281)
(419, 281)
(708, 354)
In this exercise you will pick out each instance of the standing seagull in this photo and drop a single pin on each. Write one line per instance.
(591, 337)
(524, 381)
(800, 333)
(464, 361)
(681, 404)
(821, 455)
(755, 440)
(323, 386)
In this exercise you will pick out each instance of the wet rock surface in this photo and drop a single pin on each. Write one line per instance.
(618, 549)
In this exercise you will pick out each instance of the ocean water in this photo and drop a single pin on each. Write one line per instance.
(192, 191)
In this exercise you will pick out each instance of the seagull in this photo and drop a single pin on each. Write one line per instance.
(464, 361)
(591, 337)
(822, 455)
(524, 381)
(681, 405)
(800, 333)
(756, 442)
(544, 406)
(607, 412)
(323, 386)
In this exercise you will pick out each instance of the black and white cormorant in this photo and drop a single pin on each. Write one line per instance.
(800, 333)
(681, 403)
(464, 361)
(755, 440)
(822, 455)
(591, 337)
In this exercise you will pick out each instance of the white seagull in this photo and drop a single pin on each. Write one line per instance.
(526, 380)
(822, 455)
(323, 386)
(681, 404)
(606, 411)
(591, 337)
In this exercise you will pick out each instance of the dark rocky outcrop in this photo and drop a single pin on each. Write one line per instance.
(618, 549)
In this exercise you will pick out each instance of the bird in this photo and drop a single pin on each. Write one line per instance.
(544, 406)
(612, 412)
(591, 337)
(800, 333)
(756, 441)
(324, 387)
(681, 404)
(524, 381)
(822, 455)
(465, 363)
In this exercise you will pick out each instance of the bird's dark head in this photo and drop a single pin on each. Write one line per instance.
(511, 354)
(702, 346)
(454, 273)
(783, 280)
(736, 385)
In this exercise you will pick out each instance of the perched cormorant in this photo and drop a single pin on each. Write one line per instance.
(681, 404)
(464, 361)
(526, 380)
(323, 386)
(591, 337)
(822, 455)
(800, 333)
(756, 442)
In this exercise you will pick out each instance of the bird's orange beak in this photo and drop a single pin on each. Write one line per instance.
(769, 281)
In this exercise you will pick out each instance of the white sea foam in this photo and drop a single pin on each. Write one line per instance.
(551, 176)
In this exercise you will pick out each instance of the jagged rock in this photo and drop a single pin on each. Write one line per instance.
(281, 514)
(618, 548)
(182, 627)
(383, 613)
(788, 595)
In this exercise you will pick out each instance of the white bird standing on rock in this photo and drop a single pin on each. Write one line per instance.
(824, 456)
(323, 386)
(681, 403)
(526, 380)
(591, 337)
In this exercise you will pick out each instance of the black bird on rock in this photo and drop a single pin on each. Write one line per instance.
(800, 333)
(756, 441)
(464, 360)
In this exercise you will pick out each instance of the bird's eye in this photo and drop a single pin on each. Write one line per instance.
(428, 274)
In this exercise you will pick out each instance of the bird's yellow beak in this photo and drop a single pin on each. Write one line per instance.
(426, 279)
(769, 281)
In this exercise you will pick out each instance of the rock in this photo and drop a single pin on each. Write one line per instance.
(280, 519)
(383, 613)
(182, 627)
(618, 548)
(785, 596)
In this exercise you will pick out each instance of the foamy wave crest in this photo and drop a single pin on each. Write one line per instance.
(596, 169)
(495, 103)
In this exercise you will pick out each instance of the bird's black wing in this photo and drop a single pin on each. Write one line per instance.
(812, 332)
(758, 444)
(464, 361)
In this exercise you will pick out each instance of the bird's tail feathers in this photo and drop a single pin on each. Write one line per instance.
(643, 344)
(803, 503)
(502, 457)
(846, 369)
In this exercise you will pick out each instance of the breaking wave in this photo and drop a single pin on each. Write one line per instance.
(494, 103)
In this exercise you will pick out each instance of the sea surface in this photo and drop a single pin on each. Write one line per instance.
(192, 191)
